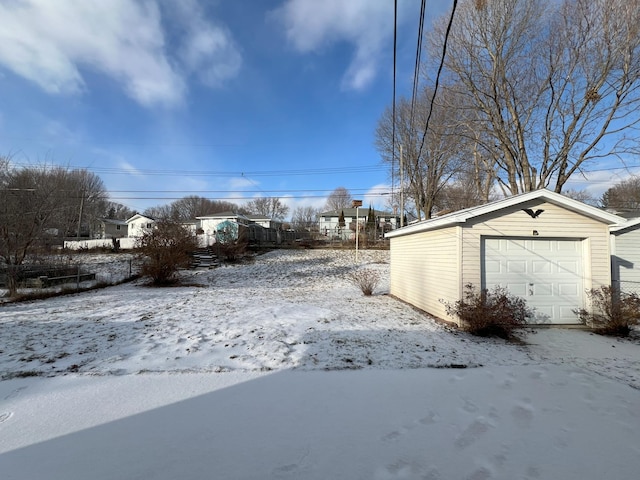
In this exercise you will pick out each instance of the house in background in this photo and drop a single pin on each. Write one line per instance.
(264, 221)
(223, 223)
(542, 246)
(138, 224)
(112, 228)
(625, 256)
(329, 222)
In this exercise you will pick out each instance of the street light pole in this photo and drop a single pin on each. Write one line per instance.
(357, 204)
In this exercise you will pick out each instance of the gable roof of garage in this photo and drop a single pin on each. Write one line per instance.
(463, 216)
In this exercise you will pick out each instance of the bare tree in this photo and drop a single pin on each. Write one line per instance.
(430, 157)
(625, 195)
(118, 211)
(304, 219)
(549, 86)
(582, 196)
(271, 207)
(190, 207)
(29, 200)
(82, 201)
(338, 199)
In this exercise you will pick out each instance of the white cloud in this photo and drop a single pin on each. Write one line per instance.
(312, 25)
(208, 50)
(240, 182)
(54, 44)
(130, 169)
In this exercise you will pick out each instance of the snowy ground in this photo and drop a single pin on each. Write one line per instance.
(283, 369)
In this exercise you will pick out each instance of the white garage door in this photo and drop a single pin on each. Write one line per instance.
(546, 273)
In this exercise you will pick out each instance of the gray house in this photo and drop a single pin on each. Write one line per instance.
(112, 228)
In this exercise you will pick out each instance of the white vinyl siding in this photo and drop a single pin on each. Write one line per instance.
(626, 260)
(424, 269)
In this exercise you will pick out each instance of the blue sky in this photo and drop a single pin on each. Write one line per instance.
(223, 99)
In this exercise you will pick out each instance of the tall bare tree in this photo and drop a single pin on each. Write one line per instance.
(549, 86)
(30, 198)
(430, 158)
(271, 207)
(338, 199)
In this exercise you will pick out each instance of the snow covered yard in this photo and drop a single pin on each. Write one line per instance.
(234, 377)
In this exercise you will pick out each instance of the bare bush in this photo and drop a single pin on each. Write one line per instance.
(166, 248)
(490, 312)
(365, 278)
(612, 312)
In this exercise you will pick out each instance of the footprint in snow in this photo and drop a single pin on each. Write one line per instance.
(472, 433)
(4, 416)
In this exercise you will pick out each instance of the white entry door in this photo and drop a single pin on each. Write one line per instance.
(547, 273)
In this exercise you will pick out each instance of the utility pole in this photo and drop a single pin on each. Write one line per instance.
(80, 216)
(401, 189)
(357, 204)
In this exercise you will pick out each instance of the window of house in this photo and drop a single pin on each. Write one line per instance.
(117, 227)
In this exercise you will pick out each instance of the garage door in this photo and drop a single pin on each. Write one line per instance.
(547, 273)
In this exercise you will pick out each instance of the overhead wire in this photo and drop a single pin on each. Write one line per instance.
(393, 108)
(437, 81)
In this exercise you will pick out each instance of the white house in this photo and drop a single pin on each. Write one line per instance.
(329, 222)
(264, 221)
(209, 224)
(138, 224)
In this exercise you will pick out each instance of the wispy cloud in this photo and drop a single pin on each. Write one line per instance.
(208, 49)
(130, 169)
(54, 43)
(312, 25)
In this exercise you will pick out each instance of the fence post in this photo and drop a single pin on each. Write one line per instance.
(78, 278)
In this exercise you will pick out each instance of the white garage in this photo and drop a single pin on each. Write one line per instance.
(542, 246)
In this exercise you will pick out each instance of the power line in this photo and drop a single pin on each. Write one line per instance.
(416, 68)
(227, 173)
(437, 82)
(393, 113)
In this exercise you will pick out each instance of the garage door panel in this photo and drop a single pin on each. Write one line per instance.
(568, 289)
(542, 246)
(569, 267)
(516, 266)
(514, 245)
(519, 289)
(568, 246)
(547, 273)
(541, 266)
(493, 266)
(541, 289)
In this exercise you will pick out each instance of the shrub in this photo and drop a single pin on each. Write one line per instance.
(166, 248)
(612, 312)
(490, 312)
(366, 279)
